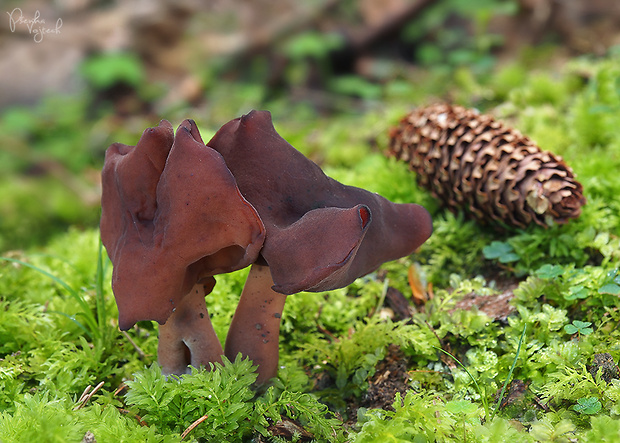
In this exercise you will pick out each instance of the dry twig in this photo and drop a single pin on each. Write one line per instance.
(191, 427)
(87, 395)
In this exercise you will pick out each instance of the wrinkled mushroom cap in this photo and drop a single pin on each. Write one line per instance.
(171, 216)
(320, 234)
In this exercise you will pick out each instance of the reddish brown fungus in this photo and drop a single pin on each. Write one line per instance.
(176, 211)
(187, 338)
(171, 215)
(255, 330)
(320, 234)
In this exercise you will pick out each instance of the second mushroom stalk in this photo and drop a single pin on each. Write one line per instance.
(298, 229)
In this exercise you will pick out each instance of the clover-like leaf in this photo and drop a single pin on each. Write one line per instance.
(500, 250)
(579, 327)
(548, 272)
(576, 292)
(587, 405)
(570, 329)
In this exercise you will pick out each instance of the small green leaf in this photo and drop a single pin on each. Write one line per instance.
(570, 329)
(461, 407)
(610, 288)
(582, 324)
(581, 327)
(576, 292)
(500, 250)
(548, 272)
(589, 405)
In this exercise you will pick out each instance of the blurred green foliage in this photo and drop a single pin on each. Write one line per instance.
(445, 46)
(105, 70)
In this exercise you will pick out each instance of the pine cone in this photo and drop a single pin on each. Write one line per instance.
(472, 161)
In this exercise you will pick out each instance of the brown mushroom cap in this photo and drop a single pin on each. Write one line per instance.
(320, 234)
(171, 215)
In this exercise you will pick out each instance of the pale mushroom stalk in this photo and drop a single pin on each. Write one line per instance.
(187, 338)
(255, 328)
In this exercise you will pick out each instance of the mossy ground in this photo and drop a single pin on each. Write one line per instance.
(353, 366)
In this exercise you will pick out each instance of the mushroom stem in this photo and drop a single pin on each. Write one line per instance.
(255, 328)
(187, 337)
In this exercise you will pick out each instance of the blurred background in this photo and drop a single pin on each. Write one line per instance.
(78, 75)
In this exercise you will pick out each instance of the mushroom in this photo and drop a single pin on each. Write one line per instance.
(319, 234)
(188, 338)
(177, 212)
(172, 217)
(255, 328)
